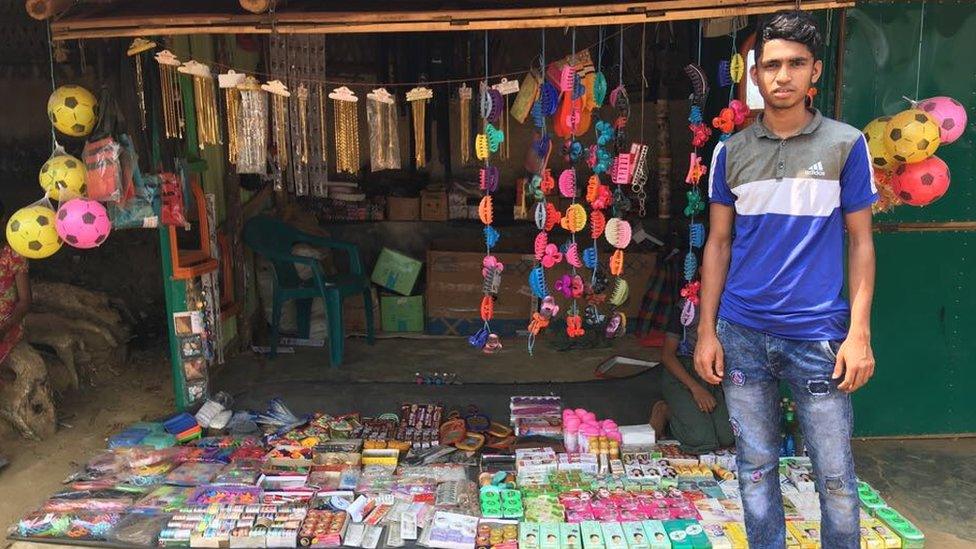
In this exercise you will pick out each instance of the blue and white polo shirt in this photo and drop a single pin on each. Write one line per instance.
(787, 269)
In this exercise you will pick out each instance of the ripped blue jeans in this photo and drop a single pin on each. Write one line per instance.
(754, 365)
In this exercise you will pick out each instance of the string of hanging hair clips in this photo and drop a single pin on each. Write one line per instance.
(330, 82)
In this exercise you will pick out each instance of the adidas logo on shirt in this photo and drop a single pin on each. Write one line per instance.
(817, 169)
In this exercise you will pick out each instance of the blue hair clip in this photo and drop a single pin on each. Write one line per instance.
(604, 132)
(691, 266)
(695, 116)
(724, 74)
(696, 235)
(578, 88)
(540, 146)
(479, 339)
(549, 96)
(537, 282)
(589, 257)
(491, 236)
(574, 151)
(538, 116)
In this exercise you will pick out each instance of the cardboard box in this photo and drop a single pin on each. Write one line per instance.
(592, 535)
(454, 292)
(549, 535)
(656, 535)
(402, 314)
(635, 536)
(454, 288)
(396, 272)
(570, 536)
(402, 209)
(686, 534)
(736, 532)
(528, 535)
(457, 205)
(716, 534)
(806, 532)
(354, 313)
(433, 205)
(613, 535)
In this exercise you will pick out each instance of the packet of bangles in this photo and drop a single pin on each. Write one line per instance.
(69, 525)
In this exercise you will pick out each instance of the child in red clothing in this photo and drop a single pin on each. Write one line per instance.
(15, 296)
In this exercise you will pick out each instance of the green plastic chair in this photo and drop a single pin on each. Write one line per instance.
(274, 239)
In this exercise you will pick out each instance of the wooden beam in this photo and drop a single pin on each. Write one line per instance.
(926, 227)
(45, 9)
(95, 21)
(400, 16)
(434, 22)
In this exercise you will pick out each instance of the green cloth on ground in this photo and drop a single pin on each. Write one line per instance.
(697, 431)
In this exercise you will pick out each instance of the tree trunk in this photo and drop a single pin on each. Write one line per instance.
(26, 402)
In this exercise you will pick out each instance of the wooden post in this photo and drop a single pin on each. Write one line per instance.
(839, 73)
(256, 6)
(45, 9)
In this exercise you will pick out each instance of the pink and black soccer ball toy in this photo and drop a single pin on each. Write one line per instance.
(948, 113)
(83, 223)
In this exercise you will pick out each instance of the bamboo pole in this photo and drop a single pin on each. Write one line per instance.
(45, 9)
(457, 16)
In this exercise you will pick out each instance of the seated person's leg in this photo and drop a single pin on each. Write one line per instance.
(692, 427)
(720, 418)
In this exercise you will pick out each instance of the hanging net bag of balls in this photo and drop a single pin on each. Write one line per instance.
(105, 176)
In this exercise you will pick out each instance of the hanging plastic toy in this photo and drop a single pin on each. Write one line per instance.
(567, 183)
(575, 218)
(491, 236)
(598, 223)
(695, 169)
(540, 215)
(696, 204)
(574, 326)
(537, 282)
(485, 210)
(551, 256)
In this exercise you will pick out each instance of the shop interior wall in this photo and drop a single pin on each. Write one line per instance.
(925, 307)
(414, 57)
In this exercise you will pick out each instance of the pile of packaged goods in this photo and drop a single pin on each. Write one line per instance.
(554, 478)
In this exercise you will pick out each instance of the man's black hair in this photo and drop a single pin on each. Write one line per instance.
(792, 25)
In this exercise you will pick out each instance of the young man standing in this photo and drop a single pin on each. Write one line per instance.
(782, 192)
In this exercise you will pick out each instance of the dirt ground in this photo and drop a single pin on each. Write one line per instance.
(909, 474)
(142, 391)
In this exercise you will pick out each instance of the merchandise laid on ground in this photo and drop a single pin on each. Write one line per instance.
(551, 477)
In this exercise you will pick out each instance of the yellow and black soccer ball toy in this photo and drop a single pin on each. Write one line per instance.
(73, 110)
(31, 232)
(911, 136)
(63, 172)
(874, 134)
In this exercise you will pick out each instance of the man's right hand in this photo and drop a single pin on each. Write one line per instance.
(710, 358)
(705, 401)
